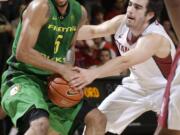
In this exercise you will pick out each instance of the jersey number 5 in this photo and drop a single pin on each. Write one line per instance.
(57, 43)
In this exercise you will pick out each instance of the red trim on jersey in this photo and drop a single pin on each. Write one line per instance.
(163, 117)
(131, 39)
(164, 64)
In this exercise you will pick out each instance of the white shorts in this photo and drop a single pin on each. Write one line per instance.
(124, 105)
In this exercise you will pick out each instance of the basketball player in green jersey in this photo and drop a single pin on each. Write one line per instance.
(47, 30)
(173, 8)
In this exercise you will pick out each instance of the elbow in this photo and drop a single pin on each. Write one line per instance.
(18, 54)
(21, 54)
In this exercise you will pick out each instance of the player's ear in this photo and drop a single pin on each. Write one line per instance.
(150, 15)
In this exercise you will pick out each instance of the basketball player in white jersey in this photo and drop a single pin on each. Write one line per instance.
(169, 118)
(145, 49)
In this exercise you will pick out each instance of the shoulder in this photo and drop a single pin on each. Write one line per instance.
(155, 27)
(157, 31)
(84, 11)
(84, 15)
(37, 10)
(157, 42)
(152, 37)
(39, 4)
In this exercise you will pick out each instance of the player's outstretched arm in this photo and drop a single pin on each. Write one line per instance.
(142, 52)
(95, 31)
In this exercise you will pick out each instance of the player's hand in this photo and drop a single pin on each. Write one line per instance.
(67, 72)
(81, 78)
(68, 75)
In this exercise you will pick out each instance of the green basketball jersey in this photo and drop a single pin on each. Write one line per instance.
(54, 39)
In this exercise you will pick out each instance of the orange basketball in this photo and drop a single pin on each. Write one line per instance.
(61, 94)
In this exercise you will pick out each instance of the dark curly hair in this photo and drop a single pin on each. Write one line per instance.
(155, 6)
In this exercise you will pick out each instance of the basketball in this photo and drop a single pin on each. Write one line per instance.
(61, 94)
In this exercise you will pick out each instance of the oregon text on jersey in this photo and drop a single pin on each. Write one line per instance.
(62, 29)
(57, 59)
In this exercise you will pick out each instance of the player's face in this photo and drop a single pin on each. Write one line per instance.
(105, 56)
(61, 3)
(136, 13)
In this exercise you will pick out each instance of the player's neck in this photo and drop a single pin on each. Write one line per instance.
(63, 9)
(138, 31)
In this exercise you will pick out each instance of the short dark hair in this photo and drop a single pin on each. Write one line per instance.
(105, 50)
(155, 6)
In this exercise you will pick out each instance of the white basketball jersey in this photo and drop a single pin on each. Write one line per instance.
(149, 75)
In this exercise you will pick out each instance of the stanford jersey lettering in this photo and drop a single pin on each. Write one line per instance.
(124, 48)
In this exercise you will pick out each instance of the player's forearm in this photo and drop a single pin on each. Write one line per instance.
(113, 66)
(88, 32)
(94, 31)
(34, 58)
(104, 29)
(173, 8)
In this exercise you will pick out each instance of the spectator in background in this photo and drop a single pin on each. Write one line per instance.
(5, 40)
(97, 15)
(113, 8)
(103, 43)
(86, 54)
(168, 27)
(6, 29)
(10, 9)
(104, 56)
(15, 21)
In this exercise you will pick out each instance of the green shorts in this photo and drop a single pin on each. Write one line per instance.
(21, 91)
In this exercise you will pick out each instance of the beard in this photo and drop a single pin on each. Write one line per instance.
(62, 5)
(128, 24)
